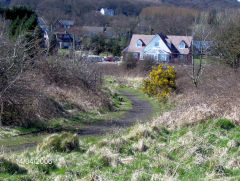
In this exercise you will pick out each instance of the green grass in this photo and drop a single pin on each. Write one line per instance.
(198, 152)
(197, 61)
(10, 143)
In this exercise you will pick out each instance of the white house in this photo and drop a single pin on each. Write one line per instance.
(106, 11)
(44, 27)
(160, 47)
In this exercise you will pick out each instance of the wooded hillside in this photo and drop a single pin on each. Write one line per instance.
(134, 7)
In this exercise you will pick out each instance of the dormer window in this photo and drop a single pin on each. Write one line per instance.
(182, 45)
(156, 44)
(139, 43)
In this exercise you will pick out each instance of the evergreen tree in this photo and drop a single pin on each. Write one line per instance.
(13, 27)
(116, 50)
(123, 43)
(30, 24)
(22, 19)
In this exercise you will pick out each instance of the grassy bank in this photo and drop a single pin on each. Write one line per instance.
(207, 150)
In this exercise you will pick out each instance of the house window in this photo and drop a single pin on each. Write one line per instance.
(156, 44)
(139, 43)
(182, 45)
(68, 26)
(57, 26)
(163, 57)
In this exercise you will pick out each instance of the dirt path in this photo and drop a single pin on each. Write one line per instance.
(141, 110)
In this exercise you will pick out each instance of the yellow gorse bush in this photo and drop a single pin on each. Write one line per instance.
(161, 82)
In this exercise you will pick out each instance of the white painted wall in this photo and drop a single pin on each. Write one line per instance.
(152, 50)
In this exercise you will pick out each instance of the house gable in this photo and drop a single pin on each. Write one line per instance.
(177, 40)
(156, 46)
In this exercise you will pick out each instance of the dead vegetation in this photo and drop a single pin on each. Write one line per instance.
(47, 86)
(139, 69)
(216, 96)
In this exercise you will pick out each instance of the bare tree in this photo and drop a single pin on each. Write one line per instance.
(15, 58)
(202, 32)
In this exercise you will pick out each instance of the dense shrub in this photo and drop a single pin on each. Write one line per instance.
(64, 142)
(161, 82)
(10, 167)
(225, 124)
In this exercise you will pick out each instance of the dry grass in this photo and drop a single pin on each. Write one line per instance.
(216, 96)
(117, 70)
(84, 100)
(64, 142)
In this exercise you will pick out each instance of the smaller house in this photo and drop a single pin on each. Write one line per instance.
(107, 12)
(63, 24)
(44, 27)
(64, 40)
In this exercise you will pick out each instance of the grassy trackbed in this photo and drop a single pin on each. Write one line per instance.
(158, 107)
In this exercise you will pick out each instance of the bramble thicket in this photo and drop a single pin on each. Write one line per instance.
(161, 82)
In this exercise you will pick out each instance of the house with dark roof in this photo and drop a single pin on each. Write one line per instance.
(64, 40)
(160, 47)
(63, 25)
